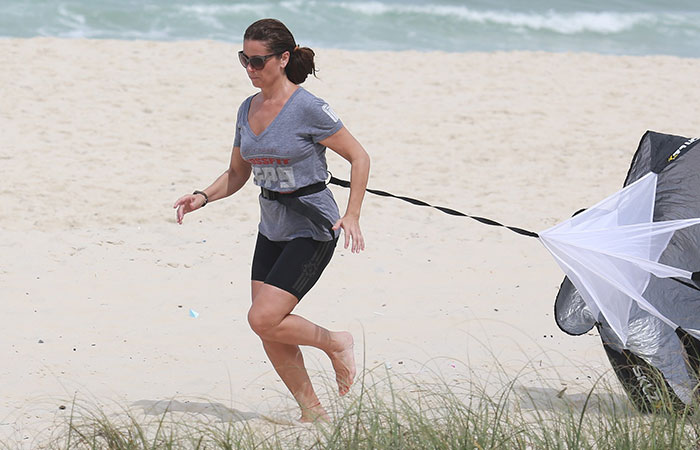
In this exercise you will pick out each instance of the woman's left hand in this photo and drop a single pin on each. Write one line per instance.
(351, 228)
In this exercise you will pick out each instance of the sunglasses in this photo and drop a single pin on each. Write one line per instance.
(257, 62)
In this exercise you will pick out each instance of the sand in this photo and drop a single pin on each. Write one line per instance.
(97, 281)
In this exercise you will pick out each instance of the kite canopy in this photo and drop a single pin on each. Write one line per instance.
(632, 263)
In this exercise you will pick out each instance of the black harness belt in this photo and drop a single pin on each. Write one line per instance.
(291, 201)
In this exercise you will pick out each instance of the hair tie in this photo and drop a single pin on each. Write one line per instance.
(295, 48)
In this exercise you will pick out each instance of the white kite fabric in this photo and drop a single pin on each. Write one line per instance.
(610, 250)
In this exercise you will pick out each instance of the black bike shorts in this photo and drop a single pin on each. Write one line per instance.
(293, 266)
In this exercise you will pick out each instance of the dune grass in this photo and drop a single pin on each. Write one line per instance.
(390, 411)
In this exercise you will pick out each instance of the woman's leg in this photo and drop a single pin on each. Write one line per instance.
(282, 333)
(282, 274)
(289, 365)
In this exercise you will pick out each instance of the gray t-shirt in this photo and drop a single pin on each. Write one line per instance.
(287, 156)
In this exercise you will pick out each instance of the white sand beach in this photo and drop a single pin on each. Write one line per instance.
(97, 281)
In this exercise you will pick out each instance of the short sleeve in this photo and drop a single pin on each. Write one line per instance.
(241, 120)
(322, 121)
(239, 124)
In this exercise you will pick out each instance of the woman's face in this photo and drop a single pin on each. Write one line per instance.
(273, 68)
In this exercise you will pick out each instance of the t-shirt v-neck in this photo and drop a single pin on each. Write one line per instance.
(281, 111)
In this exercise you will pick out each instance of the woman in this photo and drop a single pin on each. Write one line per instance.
(282, 133)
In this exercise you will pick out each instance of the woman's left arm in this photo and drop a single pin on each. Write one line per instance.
(345, 144)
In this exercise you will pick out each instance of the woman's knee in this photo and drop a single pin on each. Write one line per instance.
(270, 306)
(262, 321)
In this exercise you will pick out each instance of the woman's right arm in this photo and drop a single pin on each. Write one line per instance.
(227, 184)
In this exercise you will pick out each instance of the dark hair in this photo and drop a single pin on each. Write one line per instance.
(278, 40)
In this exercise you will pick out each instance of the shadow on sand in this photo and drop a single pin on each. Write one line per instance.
(218, 410)
(541, 398)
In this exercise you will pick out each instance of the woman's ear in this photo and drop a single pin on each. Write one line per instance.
(284, 59)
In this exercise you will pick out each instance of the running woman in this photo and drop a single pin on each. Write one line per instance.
(282, 133)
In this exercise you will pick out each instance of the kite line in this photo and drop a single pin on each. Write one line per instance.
(452, 212)
(484, 220)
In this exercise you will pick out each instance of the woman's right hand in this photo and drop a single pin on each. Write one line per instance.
(188, 203)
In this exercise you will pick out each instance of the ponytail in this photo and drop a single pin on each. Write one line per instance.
(300, 65)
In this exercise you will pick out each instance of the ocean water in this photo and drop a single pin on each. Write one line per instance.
(670, 27)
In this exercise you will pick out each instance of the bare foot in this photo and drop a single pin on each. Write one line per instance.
(314, 413)
(343, 361)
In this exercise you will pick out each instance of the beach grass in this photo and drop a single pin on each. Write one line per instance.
(390, 411)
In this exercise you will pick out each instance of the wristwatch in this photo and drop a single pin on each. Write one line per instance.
(206, 197)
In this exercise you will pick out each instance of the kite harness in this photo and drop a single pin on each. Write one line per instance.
(291, 201)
